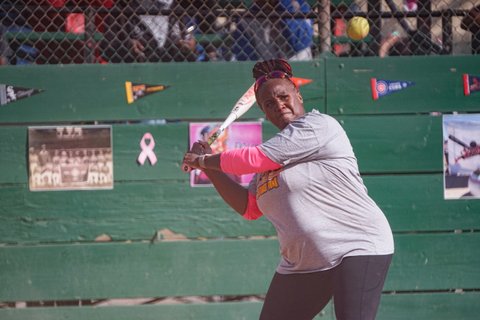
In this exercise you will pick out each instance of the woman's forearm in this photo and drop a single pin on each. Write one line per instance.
(234, 194)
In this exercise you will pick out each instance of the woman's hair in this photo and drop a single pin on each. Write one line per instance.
(262, 68)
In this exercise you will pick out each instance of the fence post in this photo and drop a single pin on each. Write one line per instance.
(447, 32)
(424, 26)
(89, 44)
(374, 6)
(324, 32)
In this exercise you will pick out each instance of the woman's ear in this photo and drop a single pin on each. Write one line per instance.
(264, 113)
(299, 96)
(261, 109)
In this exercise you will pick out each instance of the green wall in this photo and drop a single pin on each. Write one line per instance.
(48, 247)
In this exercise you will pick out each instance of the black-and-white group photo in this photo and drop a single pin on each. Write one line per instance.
(70, 158)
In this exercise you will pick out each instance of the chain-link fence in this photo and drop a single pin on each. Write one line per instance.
(113, 31)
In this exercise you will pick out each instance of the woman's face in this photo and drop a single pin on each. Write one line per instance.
(280, 101)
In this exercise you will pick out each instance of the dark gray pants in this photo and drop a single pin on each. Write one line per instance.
(355, 285)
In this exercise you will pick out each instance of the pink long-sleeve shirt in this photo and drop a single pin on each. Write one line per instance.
(244, 161)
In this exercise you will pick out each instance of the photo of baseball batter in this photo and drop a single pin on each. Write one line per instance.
(461, 150)
(239, 134)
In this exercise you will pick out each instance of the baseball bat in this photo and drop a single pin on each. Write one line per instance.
(460, 142)
(243, 104)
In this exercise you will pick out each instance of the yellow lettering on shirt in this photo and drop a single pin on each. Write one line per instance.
(267, 186)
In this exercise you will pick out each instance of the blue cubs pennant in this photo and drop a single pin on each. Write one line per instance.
(381, 88)
(471, 84)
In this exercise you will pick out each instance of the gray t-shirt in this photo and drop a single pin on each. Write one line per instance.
(317, 201)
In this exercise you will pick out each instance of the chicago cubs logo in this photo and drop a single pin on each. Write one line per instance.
(381, 87)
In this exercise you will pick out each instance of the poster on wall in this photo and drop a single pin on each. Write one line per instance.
(238, 135)
(70, 158)
(461, 156)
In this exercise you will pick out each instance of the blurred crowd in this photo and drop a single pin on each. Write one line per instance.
(185, 30)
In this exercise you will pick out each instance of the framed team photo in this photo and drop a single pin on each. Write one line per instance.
(237, 135)
(461, 156)
(70, 158)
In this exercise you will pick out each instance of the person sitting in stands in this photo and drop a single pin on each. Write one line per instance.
(262, 34)
(147, 35)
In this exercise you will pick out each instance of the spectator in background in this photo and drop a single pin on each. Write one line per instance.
(410, 5)
(142, 34)
(395, 45)
(5, 51)
(401, 43)
(471, 22)
(211, 53)
(259, 36)
(204, 13)
(299, 32)
(13, 17)
(262, 34)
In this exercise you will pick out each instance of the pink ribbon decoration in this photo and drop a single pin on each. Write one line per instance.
(147, 150)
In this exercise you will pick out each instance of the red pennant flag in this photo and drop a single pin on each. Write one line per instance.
(301, 81)
(471, 84)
